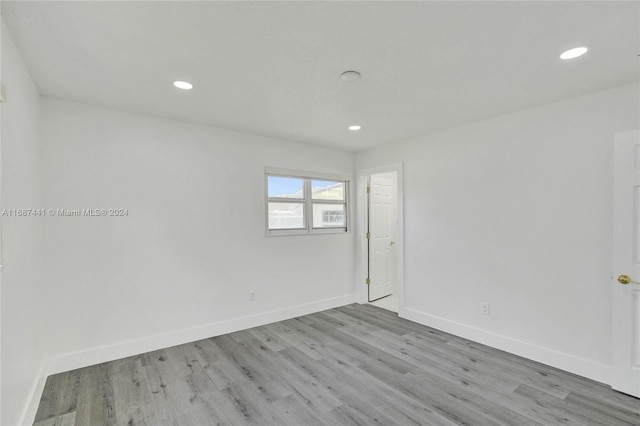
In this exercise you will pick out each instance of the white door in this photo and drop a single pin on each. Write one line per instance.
(626, 265)
(382, 234)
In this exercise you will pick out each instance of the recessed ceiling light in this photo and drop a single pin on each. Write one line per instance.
(350, 75)
(185, 85)
(355, 128)
(574, 53)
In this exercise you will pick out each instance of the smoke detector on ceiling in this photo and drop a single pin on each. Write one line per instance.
(350, 75)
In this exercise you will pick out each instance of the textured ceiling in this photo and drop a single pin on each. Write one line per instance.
(273, 67)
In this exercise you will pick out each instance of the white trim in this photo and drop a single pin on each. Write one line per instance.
(294, 232)
(106, 353)
(30, 409)
(361, 241)
(563, 361)
(305, 174)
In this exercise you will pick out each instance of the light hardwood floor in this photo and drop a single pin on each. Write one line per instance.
(354, 365)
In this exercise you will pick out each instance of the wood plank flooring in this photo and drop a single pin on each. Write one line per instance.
(354, 365)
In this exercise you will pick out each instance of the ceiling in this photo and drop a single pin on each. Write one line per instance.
(274, 67)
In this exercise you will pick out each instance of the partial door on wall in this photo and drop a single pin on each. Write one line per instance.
(626, 265)
(382, 231)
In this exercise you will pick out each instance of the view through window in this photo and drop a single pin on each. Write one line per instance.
(296, 203)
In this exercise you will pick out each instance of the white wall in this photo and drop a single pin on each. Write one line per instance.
(516, 211)
(193, 245)
(21, 289)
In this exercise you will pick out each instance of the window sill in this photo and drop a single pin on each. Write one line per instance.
(285, 232)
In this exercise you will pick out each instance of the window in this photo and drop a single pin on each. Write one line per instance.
(298, 204)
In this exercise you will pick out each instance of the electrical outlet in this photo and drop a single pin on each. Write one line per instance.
(485, 309)
(252, 296)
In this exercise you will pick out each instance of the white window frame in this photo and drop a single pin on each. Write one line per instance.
(307, 201)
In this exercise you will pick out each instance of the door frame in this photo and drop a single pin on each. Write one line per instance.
(361, 226)
(624, 359)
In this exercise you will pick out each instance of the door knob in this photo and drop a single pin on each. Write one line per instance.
(624, 279)
(392, 243)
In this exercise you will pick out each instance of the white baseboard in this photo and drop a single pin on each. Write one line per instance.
(97, 355)
(563, 361)
(29, 411)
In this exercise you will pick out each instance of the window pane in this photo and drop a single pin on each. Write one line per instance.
(286, 215)
(328, 215)
(285, 187)
(327, 190)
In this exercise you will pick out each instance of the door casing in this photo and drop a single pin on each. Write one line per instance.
(360, 228)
